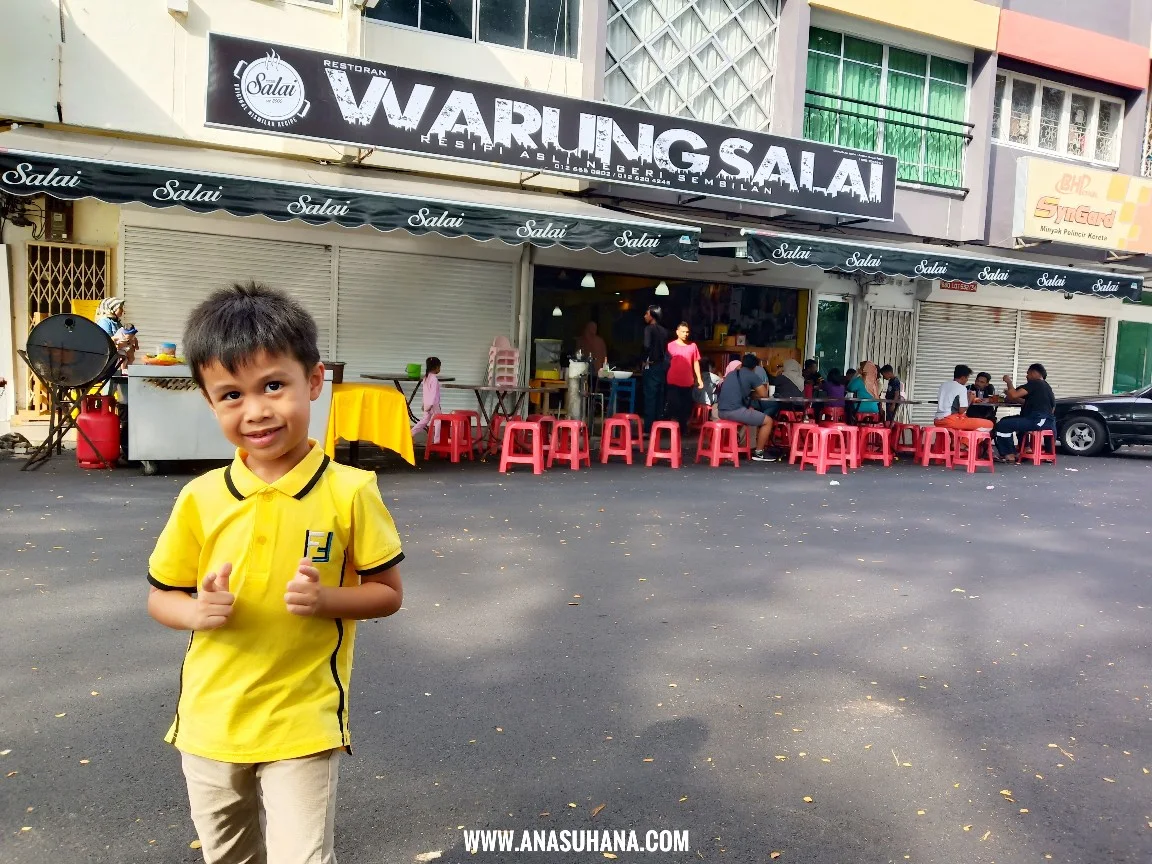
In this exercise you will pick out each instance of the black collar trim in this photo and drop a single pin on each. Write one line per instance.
(299, 496)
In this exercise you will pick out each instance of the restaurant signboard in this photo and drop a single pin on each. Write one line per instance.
(1065, 203)
(259, 86)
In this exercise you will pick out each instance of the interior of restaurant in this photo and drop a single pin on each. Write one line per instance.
(725, 319)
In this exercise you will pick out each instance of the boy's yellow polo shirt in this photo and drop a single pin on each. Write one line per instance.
(271, 685)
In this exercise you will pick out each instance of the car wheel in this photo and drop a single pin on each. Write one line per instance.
(1083, 436)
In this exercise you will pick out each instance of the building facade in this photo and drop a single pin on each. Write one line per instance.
(1008, 134)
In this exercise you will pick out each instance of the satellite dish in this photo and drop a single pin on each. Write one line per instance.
(69, 355)
(70, 351)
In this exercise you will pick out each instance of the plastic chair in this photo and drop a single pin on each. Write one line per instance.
(833, 415)
(637, 428)
(618, 388)
(616, 439)
(547, 424)
(672, 451)
(493, 442)
(875, 445)
(852, 438)
(901, 431)
(937, 444)
(532, 435)
(744, 438)
(797, 440)
(968, 447)
(718, 443)
(871, 419)
(474, 418)
(455, 439)
(826, 448)
(570, 444)
(1034, 447)
(701, 414)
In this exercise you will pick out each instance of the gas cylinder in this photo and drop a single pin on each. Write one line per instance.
(99, 422)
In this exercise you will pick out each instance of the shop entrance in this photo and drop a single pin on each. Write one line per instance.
(1133, 344)
(832, 330)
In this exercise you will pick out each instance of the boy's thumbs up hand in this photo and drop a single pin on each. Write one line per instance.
(213, 601)
(304, 594)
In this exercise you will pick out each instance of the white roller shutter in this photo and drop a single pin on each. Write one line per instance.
(396, 308)
(982, 337)
(1071, 348)
(888, 339)
(166, 273)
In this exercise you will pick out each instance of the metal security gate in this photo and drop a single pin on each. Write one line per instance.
(888, 339)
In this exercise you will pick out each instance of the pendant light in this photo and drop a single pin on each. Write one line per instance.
(662, 289)
(588, 281)
(557, 311)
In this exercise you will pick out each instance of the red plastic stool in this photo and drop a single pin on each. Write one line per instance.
(474, 420)
(637, 428)
(871, 419)
(744, 438)
(493, 442)
(531, 435)
(547, 424)
(1035, 447)
(833, 415)
(798, 439)
(718, 443)
(672, 451)
(616, 439)
(875, 445)
(936, 445)
(911, 431)
(852, 438)
(969, 444)
(782, 432)
(701, 414)
(826, 448)
(790, 416)
(570, 444)
(455, 437)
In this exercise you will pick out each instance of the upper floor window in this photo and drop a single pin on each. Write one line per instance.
(711, 60)
(889, 100)
(548, 26)
(1056, 119)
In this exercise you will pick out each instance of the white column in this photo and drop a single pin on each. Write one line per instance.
(7, 346)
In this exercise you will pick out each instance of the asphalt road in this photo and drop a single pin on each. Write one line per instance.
(911, 665)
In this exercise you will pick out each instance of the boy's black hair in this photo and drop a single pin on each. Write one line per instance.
(430, 364)
(835, 376)
(983, 375)
(1039, 369)
(235, 324)
(887, 367)
(961, 371)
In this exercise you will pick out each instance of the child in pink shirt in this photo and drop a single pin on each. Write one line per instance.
(431, 386)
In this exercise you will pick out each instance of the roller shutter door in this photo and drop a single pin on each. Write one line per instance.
(167, 273)
(397, 308)
(1071, 347)
(982, 337)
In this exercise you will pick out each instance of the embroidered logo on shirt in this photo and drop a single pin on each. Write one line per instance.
(318, 546)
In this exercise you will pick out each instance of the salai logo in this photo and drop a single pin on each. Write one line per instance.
(987, 275)
(1046, 281)
(1102, 286)
(173, 191)
(305, 206)
(858, 260)
(25, 174)
(318, 546)
(627, 241)
(423, 218)
(933, 268)
(531, 231)
(784, 252)
(271, 91)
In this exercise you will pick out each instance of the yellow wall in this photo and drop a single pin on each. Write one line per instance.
(967, 22)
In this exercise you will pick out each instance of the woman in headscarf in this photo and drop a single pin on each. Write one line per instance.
(790, 382)
(109, 318)
(867, 388)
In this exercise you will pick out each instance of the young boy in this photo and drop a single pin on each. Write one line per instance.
(269, 562)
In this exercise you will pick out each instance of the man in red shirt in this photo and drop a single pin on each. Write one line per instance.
(683, 374)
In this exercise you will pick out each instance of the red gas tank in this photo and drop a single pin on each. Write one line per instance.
(98, 420)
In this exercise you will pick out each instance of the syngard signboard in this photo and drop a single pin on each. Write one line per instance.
(280, 90)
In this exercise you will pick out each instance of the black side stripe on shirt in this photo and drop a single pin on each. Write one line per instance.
(231, 486)
(315, 479)
(380, 568)
(156, 583)
(180, 688)
(339, 686)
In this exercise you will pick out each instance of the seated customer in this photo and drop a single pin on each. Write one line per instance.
(865, 387)
(1038, 411)
(740, 389)
(893, 391)
(834, 389)
(790, 382)
(984, 398)
(952, 404)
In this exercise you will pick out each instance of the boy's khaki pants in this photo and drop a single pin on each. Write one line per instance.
(278, 812)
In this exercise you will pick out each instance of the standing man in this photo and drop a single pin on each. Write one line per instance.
(1038, 411)
(683, 375)
(952, 404)
(655, 366)
(892, 392)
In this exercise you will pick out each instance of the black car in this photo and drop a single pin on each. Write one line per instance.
(1096, 424)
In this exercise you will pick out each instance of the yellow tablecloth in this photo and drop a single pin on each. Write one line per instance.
(369, 412)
